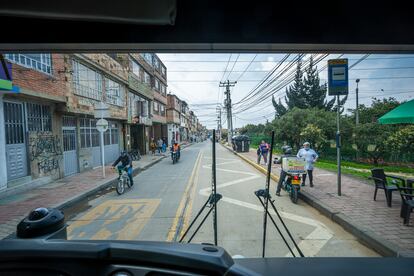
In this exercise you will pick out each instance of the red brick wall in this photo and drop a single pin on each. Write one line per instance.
(37, 81)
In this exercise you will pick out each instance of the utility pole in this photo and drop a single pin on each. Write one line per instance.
(338, 145)
(357, 114)
(227, 104)
(219, 121)
(357, 105)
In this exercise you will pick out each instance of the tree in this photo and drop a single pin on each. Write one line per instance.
(314, 93)
(306, 92)
(314, 135)
(252, 130)
(314, 124)
(371, 114)
(295, 94)
(402, 141)
(280, 109)
(371, 140)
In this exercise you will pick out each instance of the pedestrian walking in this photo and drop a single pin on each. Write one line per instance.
(311, 157)
(264, 150)
(153, 146)
(159, 145)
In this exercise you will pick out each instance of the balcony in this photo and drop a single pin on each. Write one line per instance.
(141, 88)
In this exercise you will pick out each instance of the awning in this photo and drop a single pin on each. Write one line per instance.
(403, 114)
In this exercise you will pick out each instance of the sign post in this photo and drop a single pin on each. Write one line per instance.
(337, 86)
(102, 111)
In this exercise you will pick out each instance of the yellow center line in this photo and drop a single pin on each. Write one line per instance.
(185, 200)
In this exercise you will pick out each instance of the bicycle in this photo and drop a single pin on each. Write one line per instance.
(122, 180)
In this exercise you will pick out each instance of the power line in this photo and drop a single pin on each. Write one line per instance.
(225, 70)
(228, 76)
(264, 71)
(281, 85)
(266, 61)
(245, 70)
(274, 69)
(350, 67)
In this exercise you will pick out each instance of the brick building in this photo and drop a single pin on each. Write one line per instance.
(173, 118)
(31, 120)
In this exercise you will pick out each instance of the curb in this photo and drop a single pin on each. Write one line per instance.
(365, 236)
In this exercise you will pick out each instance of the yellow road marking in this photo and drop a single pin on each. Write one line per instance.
(119, 219)
(188, 210)
(184, 200)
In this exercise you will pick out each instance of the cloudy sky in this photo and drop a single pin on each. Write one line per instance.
(196, 77)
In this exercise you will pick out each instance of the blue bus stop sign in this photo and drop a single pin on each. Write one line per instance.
(337, 77)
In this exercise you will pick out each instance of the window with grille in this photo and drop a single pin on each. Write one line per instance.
(95, 134)
(114, 92)
(39, 62)
(136, 68)
(14, 124)
(157, 85)
(156, 107)
(147, 57)
(85, 133)
(39, 117)
(114, 134)
(147, 78)
(87, 82)
(156, 63)
(162, 110)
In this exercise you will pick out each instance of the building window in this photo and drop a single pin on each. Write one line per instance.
(39, 117)
(157, 85)
(147, 78)
(114, 92)
(96, 136)
(85, 133)
(163, 90)
(156, 107)
(163, 71)
(111, 136)
(114, 133)
(147, 57)
(39, 62)
(87, 82)
(162, 109)
(156, 63)
(136, 69)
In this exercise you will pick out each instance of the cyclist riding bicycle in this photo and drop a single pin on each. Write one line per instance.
(126, 164)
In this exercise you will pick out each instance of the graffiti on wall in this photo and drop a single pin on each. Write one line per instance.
(45, 151)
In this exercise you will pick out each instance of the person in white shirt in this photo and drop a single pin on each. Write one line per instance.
(311, 157)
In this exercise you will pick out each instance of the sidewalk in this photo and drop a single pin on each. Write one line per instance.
(61, 193)
(372, 222)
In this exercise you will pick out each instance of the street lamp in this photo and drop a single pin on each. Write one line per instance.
(356, 110)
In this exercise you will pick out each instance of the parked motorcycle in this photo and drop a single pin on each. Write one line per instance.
(291, 185)
(294, 169)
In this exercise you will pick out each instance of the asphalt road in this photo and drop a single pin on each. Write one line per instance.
(166, 197)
